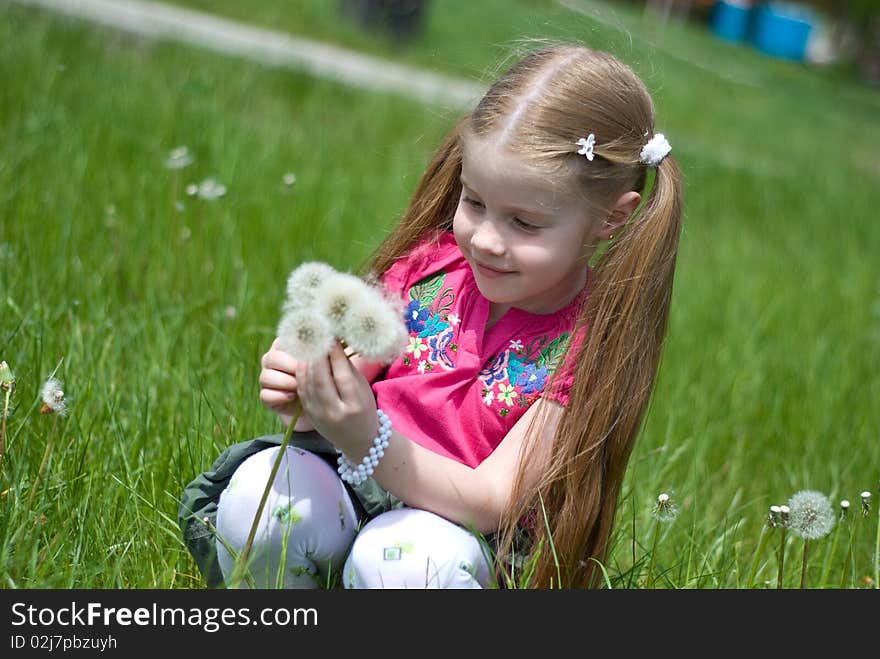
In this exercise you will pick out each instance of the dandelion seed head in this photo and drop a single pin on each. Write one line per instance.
(304, 335)
(664, 510)
(374, 328)
(336, 294)
(303, 282)
(179, 158)
(209, 189)
(812, 516)
(53, 397)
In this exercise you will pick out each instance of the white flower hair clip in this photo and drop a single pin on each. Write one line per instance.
(655, 150)
(586, 146)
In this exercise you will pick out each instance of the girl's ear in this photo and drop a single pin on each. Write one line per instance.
(620, 214)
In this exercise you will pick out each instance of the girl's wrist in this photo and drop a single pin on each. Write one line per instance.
(357, 472)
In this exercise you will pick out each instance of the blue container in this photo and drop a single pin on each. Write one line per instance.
(730, 20)
(782, 29)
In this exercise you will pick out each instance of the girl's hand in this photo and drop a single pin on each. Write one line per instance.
(278, 385)
(339, 401)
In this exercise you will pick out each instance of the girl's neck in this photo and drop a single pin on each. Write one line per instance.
(496, 311)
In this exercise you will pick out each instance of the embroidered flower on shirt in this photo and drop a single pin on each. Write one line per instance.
(438, 345)
(521, 371)
(532, 378)
(507, 393)
(415, 317)
(426, 316)
(416, 347)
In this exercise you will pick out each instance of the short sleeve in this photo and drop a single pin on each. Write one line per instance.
(560, 386)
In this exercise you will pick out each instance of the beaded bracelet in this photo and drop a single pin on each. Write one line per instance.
(357, 474)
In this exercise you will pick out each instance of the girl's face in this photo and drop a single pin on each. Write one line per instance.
(527, 241)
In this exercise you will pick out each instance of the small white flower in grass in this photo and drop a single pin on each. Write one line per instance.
(305, 335)
(53, 398)
(374, 327)
(179, 158)
(784, 512)
(774, 517)
(210, 189)
(844, 508)
(7, 377)
(811, 515)
(289, 179)
(866, 502)
(664, 510)
(192, 189)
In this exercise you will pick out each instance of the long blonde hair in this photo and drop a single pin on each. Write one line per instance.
(540, 107)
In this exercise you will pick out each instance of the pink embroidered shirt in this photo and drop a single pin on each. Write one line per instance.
(459, 388)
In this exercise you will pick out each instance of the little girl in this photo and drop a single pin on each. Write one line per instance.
(510, 418)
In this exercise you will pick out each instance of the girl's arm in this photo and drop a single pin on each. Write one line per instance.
(341, 404)
(472, 497)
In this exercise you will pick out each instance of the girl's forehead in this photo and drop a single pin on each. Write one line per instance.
(489, 167)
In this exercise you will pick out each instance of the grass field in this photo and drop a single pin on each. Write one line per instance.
(153, 307)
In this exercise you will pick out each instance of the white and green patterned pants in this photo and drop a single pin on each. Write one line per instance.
(309, 527)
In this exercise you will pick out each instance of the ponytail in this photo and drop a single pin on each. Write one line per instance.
(623, 322)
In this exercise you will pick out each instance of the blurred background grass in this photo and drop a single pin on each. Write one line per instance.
(155, 315)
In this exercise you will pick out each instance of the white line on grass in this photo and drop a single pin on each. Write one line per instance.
(157, 20)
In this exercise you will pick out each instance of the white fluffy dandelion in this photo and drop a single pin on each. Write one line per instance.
(179, 158)
(664, 510)
(374, 328)
(811, 514)
(53, 398)
(210, 189)
(303, 281)
(305, 335)
(335, 296)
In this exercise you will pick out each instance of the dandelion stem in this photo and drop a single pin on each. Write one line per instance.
(42, 463)
(3, 424)
(804, 564)
(877, 552)
(848, 557)
(826, 569)
(650, 582)
(781, 558)
(241, 563)
(762, 543)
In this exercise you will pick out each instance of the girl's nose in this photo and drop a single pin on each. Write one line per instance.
(487, 239)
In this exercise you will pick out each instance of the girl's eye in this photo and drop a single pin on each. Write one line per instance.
(525, 226)
(473, 203)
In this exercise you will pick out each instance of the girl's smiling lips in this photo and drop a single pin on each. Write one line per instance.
(490, 272)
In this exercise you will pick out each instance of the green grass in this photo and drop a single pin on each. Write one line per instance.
(768, 383)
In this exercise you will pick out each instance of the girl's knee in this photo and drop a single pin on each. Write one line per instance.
(411, 548)
(307, 522)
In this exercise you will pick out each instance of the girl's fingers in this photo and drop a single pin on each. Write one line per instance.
(322, 381)
(275, 398)
(272, 379)
(342, 371)
(278, 360)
